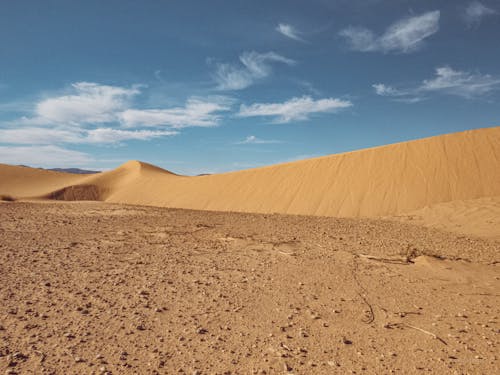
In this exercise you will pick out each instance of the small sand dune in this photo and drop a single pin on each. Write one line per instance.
(381, 181)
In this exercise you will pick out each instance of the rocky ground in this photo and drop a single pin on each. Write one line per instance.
(94, 288)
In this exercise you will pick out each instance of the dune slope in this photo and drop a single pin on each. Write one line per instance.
(387, 180)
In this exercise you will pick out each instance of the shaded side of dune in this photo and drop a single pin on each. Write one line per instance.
(76, 193)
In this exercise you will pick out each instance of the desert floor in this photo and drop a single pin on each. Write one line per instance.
(89, 288)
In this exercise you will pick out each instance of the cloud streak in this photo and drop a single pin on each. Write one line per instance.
(253, 66)
(289, 31)
(91, 103)
(465, 84)
(253, 140)
(475, 12)
(446, 81)
(95, 114)
(404, 36)
(49, 136)
(43, 156)
(196, 112)
(295, 109)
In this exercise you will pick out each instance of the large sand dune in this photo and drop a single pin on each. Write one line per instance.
(380, 181)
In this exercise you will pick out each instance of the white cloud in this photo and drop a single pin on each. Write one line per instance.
(461, 83)
(289, 31)
(231, 77)
(385, 90)
(196, 112)
(252, 139)
(51, 136)
(91, 103)
(108, 135)
(40, 136)
(446, 81)
(294, 109)
(406, 35)
(475, 12)
(79, 117)
(43, 156)
(253, 66)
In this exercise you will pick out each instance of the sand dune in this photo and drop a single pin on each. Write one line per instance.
(20, 181)
(387, 180)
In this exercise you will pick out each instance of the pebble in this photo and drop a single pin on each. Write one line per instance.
(346, 341)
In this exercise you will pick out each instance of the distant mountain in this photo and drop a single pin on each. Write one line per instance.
(73, 170)
(65, 170)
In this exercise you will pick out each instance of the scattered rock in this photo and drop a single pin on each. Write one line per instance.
(346, 341)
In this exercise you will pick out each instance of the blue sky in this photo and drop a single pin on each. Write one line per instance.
(213, 86)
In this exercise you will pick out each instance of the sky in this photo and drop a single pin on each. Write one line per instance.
(215, 86)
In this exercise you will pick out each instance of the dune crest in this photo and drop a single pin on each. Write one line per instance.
(380, 181)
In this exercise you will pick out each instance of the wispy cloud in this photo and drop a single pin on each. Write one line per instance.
(43, 156)
(51, 136)
(385, 90)
(465, 84)
(446, 81)
(95, 104)
(289, 31)
(109, 135)
(91, 103)
(252, 139)
(295, 109)
(197, 112)
(253, 66)
(406, 35)
(475, 12)
(94, 114)
(409, 96)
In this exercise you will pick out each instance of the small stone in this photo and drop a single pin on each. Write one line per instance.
(201, 331)
(287, 367)
(346, 341)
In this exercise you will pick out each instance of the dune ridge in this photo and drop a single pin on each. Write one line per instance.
(379, 181)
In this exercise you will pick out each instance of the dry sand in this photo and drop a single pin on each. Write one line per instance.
(474, 217)
(90, 288)
(103, 287)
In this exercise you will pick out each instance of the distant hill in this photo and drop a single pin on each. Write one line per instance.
(65, 170)
(73, 170)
